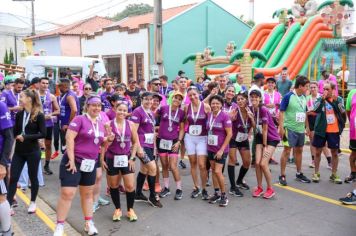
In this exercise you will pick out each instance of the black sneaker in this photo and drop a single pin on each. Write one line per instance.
(155, 202)
(182, 164)
(243, 186)
(351, 178)
(196, 192)
(165, 192)
(14, 203)
(282, 180)
(213, 199)
(350, 199)
(237, 163)
(223, 201)
(47, 170)
(238, 193)
(179, 194)
(204, 195)
(302, 178)
(139, 197)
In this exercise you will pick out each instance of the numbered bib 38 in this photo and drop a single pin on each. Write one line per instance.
(213, 140)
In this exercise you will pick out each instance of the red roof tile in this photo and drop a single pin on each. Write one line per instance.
(86, 26)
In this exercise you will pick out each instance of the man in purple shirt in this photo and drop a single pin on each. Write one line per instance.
(11, 98)
(108, 92)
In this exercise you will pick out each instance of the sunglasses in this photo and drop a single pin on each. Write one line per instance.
(87, 88)
(156, 84)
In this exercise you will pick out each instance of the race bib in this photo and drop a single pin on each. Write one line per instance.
(241, 137)
(121, 161)
(63, 111)
(149, 138)
(166, 144)
(195, 130)
(259, 129)
(355, 122)
(300, 117)
(272, 111)
(46, 111)
(330, 118)
(212, 140)
(87, 165)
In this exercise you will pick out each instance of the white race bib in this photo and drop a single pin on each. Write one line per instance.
(46, 111)
(355, 122)
(87, 165)
(272, 111)
(195, 130)
(166, 144)
(149, 138)
(241, 137)
(300, 117)
(330, 119)
(259, 129)
(121, 161)
(213, 140)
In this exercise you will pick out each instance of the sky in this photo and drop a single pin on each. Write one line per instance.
(68, 11)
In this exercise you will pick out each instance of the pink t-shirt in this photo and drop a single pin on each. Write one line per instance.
(332, 79)
(84, 146)
(353, 118)
(274, 98)
(163, 114)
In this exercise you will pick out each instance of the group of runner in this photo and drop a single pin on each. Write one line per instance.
(110, 128)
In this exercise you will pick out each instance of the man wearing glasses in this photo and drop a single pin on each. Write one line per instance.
(87, 91)
(155, 88)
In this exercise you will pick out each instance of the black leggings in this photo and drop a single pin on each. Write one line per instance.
(63, 140)
(56, 130)
(18, 161)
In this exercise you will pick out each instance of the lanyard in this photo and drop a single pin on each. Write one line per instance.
(26, 118)
(163, 91)
(170, 116)
(271, 99)
(244, 124)
(95, 127)
(211, 121)
(61, 99)
(225, 105)
(195, 118)
(299, 101)
(150, 117)
(122, 135)
(16, 97)
(258, 115)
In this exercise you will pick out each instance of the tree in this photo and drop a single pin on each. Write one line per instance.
(6, 58)
(11, 56)
(133, 10)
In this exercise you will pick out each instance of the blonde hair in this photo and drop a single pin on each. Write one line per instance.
(35, 102)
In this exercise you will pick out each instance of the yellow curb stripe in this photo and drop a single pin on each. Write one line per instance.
(39, 212)
(312, 195)
(345, 150)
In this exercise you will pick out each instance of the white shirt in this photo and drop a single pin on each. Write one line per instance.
(346, 75)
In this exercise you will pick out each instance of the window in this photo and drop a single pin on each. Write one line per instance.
(130, 60)
(135, 66)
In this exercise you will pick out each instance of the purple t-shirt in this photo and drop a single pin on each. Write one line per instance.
(200, 118)
(11, 100)
(266, 118)
(47, 107)
(146, 122)
(84, 146)
(222, 121)
(5, 122)
(111, 114)
(104, 101)
(238, 125)
(163, 114)
(115, 148)
(229, 107)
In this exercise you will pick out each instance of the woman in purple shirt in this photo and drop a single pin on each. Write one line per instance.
(267, 139)
(85, 137)
(196, 140)
(219, 135)
(243, 121)
(170, 136)
(120, 158)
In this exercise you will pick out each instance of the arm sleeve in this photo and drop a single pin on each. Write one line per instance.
(7, 146)
(285, 101)
(41, 129)
(136, 117)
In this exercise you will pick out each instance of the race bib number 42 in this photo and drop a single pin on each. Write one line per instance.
(121, 161)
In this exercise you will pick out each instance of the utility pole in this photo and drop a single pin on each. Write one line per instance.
(33, 17)
(158, 57)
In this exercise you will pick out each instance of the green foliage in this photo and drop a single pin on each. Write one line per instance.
(6, 58)
(11, 56)
(133, 10)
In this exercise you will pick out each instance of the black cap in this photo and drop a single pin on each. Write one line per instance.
(154, 79)
(257, 92)
(35, 81)
(258, 76)
(157, 95)
(271, 79)
(146, 94)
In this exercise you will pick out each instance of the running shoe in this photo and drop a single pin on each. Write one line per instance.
(257, 192)
(96, 207)
(196, 192)
(335, 179)
(282, 180)
(351, 178)
(179, 194)
(43, 155)
(215, 198)
(164, 193)
(242, 185)
(312, 165)
(182, 164)
(291, 160)
(32, 208)
(59, 231)
(14, 203)
(329, 166)
(158, 188)
(316, 177)
(47, 170)
(145, 186)
(208, 183)
(237, 163)
(117, 215)
(12, 212)
(103, 202)
(131, 215)
(223, 201)
(54, 155)
(204, 195)
(90, 228)
(273, 162)
(122, 189)
(350, 199)
(155, 202)
(139, 197)
(302, 178)
(269, 193)
(236, 192)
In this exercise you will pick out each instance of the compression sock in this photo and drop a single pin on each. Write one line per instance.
(231, 173)
(115, 196)
(242, 174)
(140, 181)
(151, 184)
(130, 199)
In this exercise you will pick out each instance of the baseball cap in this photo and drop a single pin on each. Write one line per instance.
(271, 79)
(257, 92)
(258, 76)
(157, 95)
(35, 81)
(177, 93)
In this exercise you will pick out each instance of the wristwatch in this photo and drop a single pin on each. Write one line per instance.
(133, 158)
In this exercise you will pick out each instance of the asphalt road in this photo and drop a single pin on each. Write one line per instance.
(288, 213)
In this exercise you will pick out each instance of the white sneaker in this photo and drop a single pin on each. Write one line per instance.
(90, 228)
(32, 208)
(59, 230)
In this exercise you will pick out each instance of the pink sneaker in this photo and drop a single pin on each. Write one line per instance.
(257, 192)
(269, 193)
